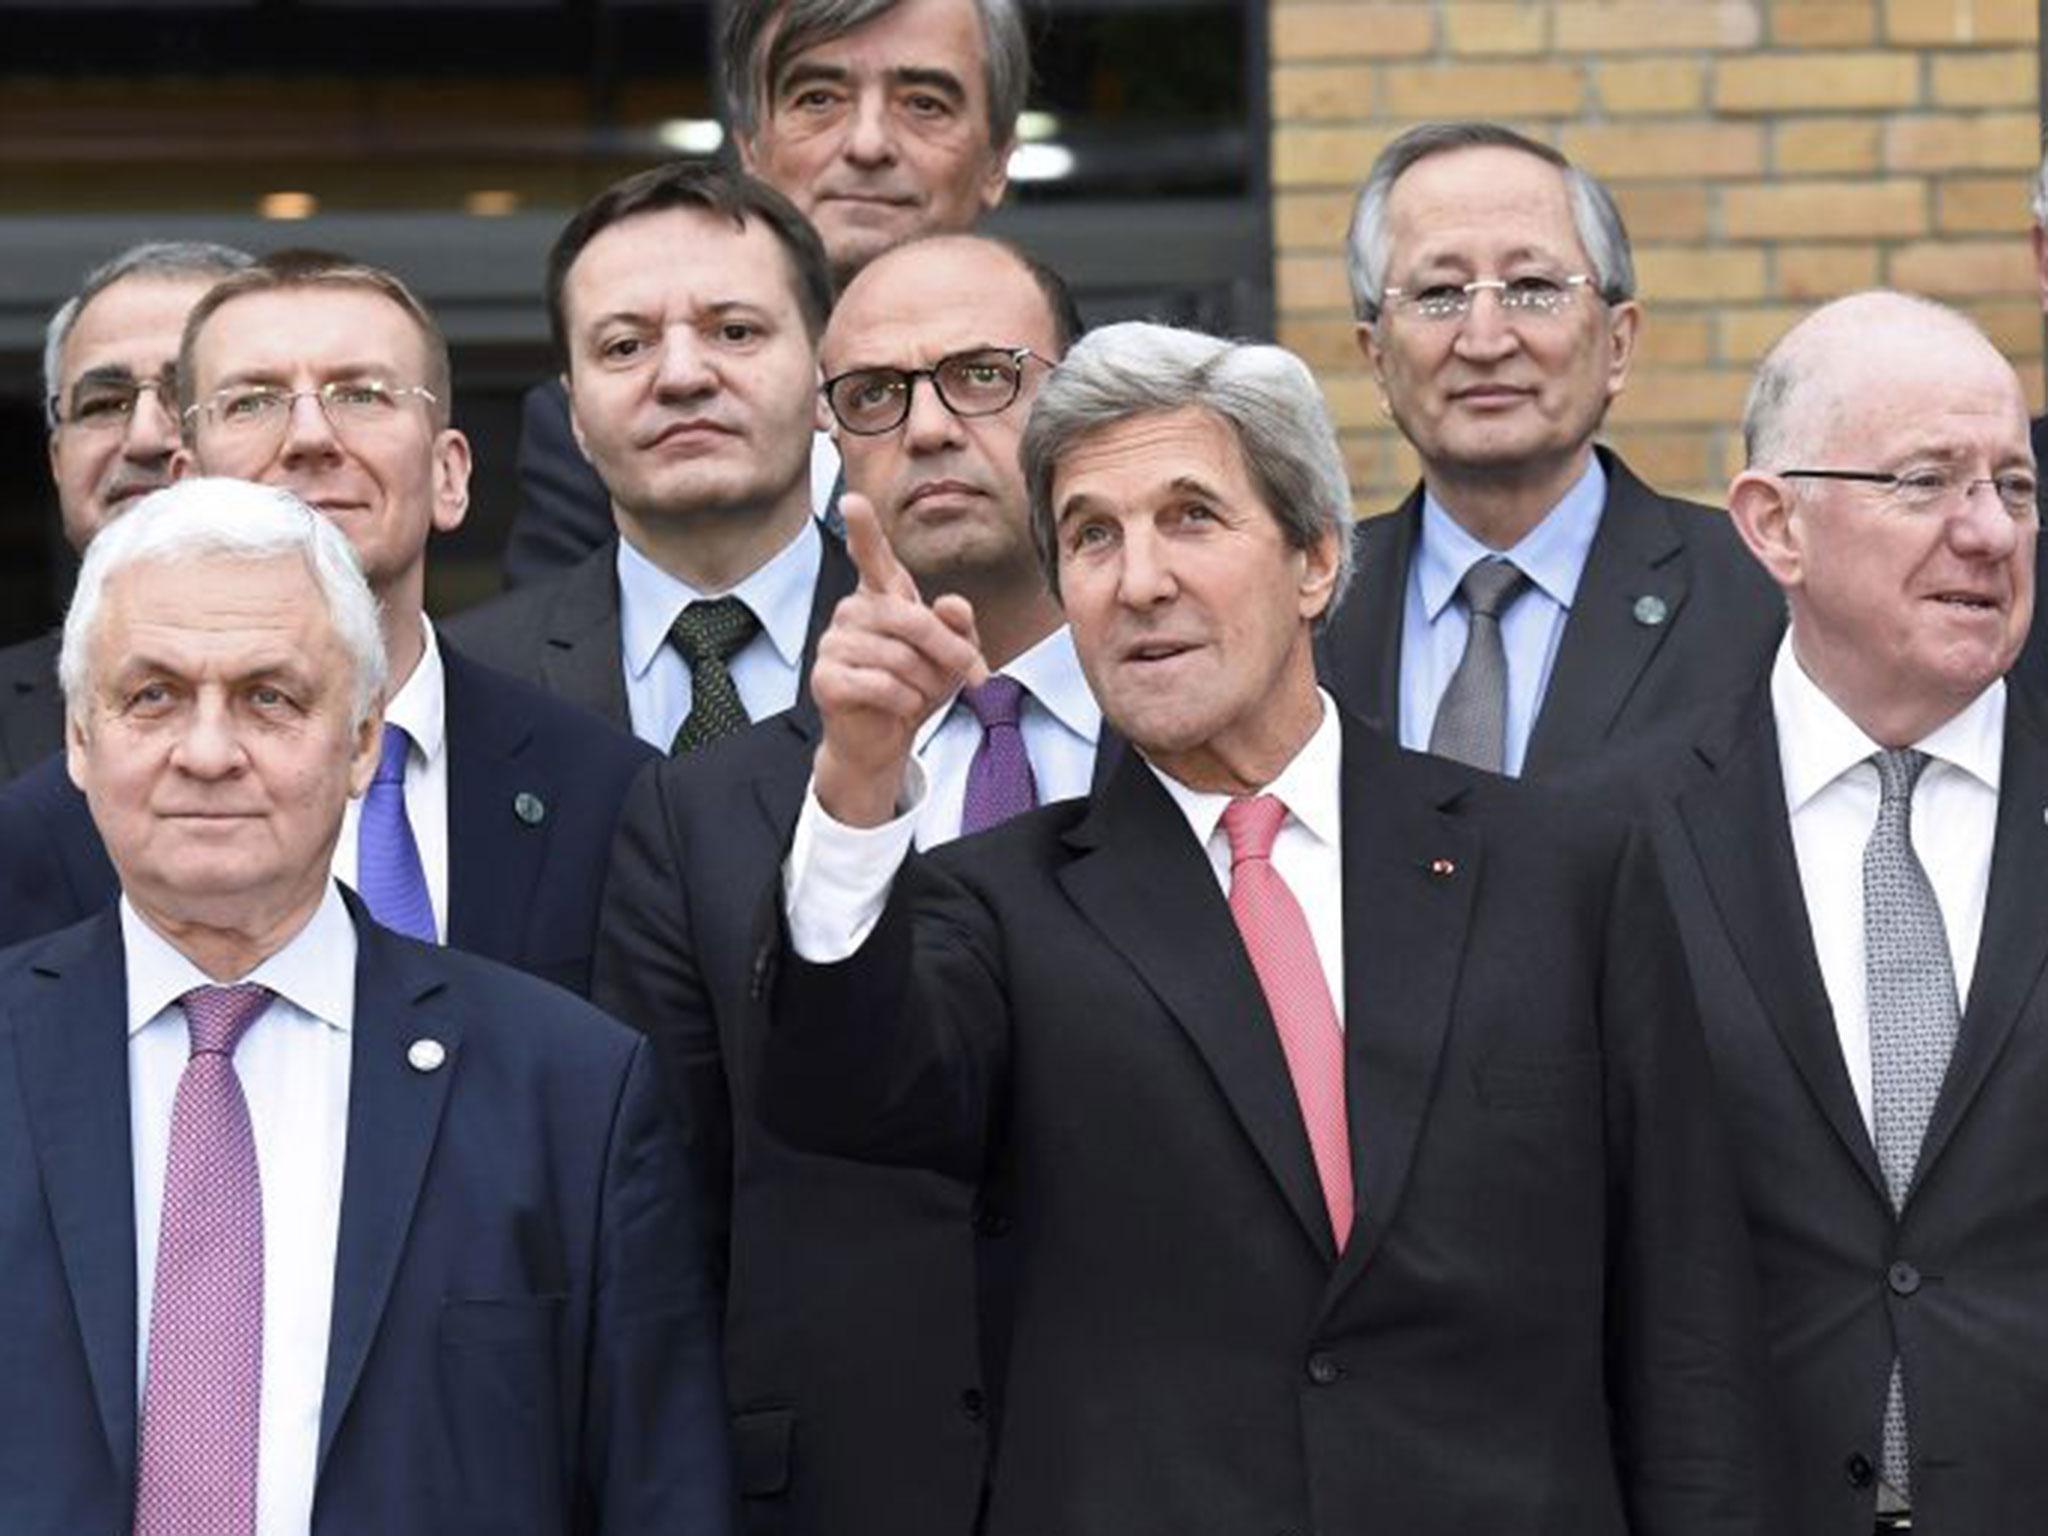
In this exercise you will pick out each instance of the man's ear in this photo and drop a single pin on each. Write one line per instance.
(451, 479)
(1760, 506)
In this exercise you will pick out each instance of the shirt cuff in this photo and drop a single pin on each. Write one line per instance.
(836, 879)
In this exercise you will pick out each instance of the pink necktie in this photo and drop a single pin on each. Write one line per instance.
(1276, 937)
(197, 1473)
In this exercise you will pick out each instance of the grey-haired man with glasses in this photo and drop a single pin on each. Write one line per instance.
(1531, 602)
(109, 397)
(1854, 851)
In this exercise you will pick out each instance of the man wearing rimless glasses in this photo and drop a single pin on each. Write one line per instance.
(109, 397)
(1531, 600)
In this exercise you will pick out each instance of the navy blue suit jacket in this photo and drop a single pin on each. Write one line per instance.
(522, 1339)
(534, 789)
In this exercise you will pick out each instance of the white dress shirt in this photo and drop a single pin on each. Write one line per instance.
(1058, 719)
(1434, 625)
(836, 880)
(421, 706)
(764, 670)
(294, 1067)
(1831, 795)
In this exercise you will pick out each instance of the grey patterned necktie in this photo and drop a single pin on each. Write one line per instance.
(1472, 718)
(1910, 997)
(708, 634)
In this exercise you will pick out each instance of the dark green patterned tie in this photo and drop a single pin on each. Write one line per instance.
(708, 634)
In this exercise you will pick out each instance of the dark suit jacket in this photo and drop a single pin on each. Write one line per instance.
(858, 1397)
(521, 1339)
(31, 706)
(1615, 674)
(1540, 1322)
(565, 512)
(563, 635)
(1953, 1285)
(534, 788)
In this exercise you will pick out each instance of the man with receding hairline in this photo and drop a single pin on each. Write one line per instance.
(1854, 849)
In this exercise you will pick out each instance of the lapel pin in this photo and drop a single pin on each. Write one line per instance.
(1650, 610)
(529, 808)
(1443, 869)
(425, 1055)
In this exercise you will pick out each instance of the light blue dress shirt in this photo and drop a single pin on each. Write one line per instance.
(764, 670)
(1434, 624)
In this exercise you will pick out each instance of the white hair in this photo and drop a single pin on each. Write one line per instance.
(221, 519)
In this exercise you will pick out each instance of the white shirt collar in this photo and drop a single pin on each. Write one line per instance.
(779, 592)
(421, 704)
(1552, 554)
(1310, 786)
(309, 971)
(1051, 674)
(1818, 743)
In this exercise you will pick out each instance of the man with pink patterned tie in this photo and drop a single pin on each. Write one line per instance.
(308, 1226)
(1346, 1107)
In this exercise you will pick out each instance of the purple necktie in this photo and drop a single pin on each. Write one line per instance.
(197, 1473)
(389, 875)
(999, 782)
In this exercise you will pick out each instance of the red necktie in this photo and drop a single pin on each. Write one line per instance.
(1276, 937)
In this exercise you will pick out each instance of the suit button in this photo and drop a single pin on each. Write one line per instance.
(1903, 1278)
(1860, 1472)
(973, 1404)
(1323, 1369)
(990, 1223)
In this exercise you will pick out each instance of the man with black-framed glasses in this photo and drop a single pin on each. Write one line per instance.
(1532, 602)
(840, 1275)
(110, 401)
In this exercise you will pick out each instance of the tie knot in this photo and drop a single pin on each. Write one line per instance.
(1251, 824)
(1491, 585)
(216, 1017)
(995, 702)
(391, 755)
(1898, 770)
(712, 631)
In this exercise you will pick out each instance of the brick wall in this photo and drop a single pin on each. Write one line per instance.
(1767, 154)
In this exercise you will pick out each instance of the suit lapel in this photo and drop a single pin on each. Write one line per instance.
(394, 1113)
(1359, 655)
(495, 850)
(72, 1050)
(2014, 943)
(1736, 823)
(1140, 879)
(1411, 872)
(1606, 648)
(836, 579)
(581, 659)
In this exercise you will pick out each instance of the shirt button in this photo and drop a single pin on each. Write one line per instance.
(1903, 1278)
(1323, 1370)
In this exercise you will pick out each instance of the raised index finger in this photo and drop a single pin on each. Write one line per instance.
(880, 570)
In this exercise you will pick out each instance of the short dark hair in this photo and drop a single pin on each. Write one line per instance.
(759, 38)
(300, 267)
(714, 189)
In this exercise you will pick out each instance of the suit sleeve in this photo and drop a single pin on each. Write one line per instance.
(899, 1053)
(564, 510)
(648, 976)
(1684, 1351)
(656, 1458)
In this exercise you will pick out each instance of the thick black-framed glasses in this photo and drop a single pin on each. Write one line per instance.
(1934, 488)
(871, 401)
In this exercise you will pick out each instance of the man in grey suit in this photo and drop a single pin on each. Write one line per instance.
(1531, 600)
(687, 303)
(110, 357)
